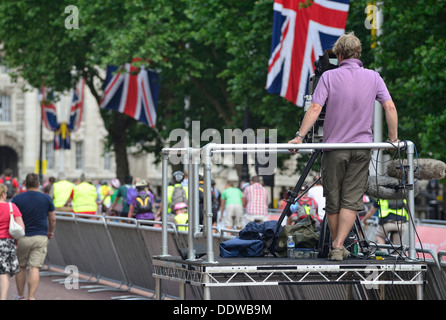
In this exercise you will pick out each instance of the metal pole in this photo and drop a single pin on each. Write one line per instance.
(410, 178)
(196, 196)
(191, 192)
(208, 200)
(164, 248)
(275, 146)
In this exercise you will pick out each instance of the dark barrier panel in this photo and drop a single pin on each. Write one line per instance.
(54, 255)
(99, 248)
(132, 252)
(71, 244)
(152, 240)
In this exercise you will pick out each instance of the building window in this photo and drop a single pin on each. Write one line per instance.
(49, 155)
(79, 162)
(107, 160)
(5, 108)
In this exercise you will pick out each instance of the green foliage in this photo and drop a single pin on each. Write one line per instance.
(412, 58)
(215, 54)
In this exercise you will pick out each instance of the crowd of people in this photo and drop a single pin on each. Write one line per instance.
(33, 206)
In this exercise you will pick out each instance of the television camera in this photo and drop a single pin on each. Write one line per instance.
(327, 61)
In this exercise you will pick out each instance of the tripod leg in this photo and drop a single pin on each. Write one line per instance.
(290, 201)
(363, 243)
(296, 189)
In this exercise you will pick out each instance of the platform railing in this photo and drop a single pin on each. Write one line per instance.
(204, 155)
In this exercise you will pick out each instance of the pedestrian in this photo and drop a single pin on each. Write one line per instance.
(141, 207)
(349, 90)
(116, 184)
(104, 194)
(255, 201)
(11, 183)
(181, 216)
(62, 190)
(393, 218)
(122, 196)
(232, 207)
(317, 193)
(39, 219)
(48, 188)
(84, 197)
(201, 196)
(9, 264)
(176, 193)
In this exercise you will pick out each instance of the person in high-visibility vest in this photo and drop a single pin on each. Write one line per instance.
(84, 197)
(393, 218)
(181, 216)
(62, 190)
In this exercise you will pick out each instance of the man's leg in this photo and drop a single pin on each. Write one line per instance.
(20, 281)
(333, 220)
(346, 220)
(33, 281)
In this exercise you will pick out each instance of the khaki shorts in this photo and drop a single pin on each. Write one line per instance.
(397, 229)
(31, 251)
(344, 178)
(233, 216)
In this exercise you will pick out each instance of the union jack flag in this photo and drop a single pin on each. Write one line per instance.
(300, 35)
(77, 106)
(49, 115)
(132, 91)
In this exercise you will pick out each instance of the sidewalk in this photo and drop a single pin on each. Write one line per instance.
(49, 290)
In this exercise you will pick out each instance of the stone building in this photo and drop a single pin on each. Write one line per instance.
(20, 123)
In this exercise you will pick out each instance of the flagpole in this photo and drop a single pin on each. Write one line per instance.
(378, 112)
(41, 143)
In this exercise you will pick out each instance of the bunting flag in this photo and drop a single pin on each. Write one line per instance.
(62, 137)
(301, 33)
(49, 115)
(132, 91)
(77, 106)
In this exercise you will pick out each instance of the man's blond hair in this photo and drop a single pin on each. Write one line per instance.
(348, 46)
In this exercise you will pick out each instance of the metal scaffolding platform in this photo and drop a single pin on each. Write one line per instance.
(229, 272)
(265, 271)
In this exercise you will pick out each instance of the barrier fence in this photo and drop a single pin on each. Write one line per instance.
(121, 251)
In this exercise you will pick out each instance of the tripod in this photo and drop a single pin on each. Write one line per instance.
(356, 235)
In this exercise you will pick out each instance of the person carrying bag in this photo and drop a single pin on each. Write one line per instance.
(9, 264)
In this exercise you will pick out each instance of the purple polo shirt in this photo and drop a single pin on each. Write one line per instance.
(350, 92)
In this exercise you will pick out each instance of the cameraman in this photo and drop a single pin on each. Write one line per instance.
(349, 93)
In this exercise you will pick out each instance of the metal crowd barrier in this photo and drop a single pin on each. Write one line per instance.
(92, 243)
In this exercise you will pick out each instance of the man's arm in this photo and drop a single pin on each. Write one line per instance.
(310, 118)
(51, 224)
(391, 119)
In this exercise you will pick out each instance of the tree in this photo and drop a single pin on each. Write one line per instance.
(412, 52)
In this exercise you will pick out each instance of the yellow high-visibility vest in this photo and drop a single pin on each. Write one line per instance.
(182, 218)
(84, 198)
(385, 210)
(61, 192)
